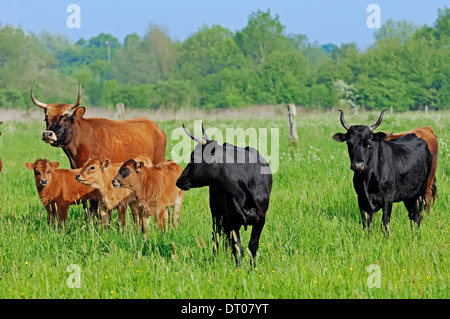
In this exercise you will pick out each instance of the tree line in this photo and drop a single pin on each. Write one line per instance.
(407, 68)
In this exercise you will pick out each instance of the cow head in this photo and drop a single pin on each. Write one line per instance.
(91, 173)
(127, 177)
(59, 118)
(43, 169)
(200, 170)
(360, 141)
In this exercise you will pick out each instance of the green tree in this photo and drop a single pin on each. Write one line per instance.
(283, 78)
(24, 62)
(401, 30)
(208, 51)
(262, 36)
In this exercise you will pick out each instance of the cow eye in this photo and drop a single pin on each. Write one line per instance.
(125, 173)
(369, 145)
(92, 167)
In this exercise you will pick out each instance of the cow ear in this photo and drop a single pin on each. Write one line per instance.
(29, 166)
(79, 112)
(105, 163)
(380, 136)
(55, 165)
(339, 137)
(139, 166)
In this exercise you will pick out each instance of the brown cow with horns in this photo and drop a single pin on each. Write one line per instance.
(83, 138)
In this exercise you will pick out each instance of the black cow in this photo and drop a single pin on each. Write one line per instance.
(240, 182)
(386, 171)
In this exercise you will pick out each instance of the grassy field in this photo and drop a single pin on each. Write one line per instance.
(312, 246)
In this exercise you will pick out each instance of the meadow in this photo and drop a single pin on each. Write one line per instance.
(312, 246)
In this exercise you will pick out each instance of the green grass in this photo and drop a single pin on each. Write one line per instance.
(312, 246)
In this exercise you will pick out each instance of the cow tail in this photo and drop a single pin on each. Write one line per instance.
(434, 190)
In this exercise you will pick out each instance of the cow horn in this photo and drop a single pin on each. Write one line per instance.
(205, 136)
(195, 138)
(78, 102)
(380, 118)
(35, 101)
(345, 125)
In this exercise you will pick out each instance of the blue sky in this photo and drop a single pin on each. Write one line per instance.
(324, 21)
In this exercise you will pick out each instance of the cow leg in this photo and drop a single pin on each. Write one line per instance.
(135, 213)
(161, 217)
(50, 214)
(122, 215)
(166, 218)
(387, 209)
(236, 246)
(413, 212)
(367, 219)
(364, 220)
(176, 209)
(216, 205)
(217, 230)
(371, 216)
(62, 213)
(254, 238)
(145, 219)
(145, 224)
(48, 208)
(91, 209)
(104, 216)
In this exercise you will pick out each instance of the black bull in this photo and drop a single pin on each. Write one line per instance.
(386, 171)
(240, 182)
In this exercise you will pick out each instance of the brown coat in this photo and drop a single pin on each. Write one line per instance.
(119, 140)
(99, 174)
(154, 188)
(428, 135)
(58, 188)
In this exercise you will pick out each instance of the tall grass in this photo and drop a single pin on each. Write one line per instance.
(312, 245)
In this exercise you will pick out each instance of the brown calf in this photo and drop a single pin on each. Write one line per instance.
(428, 135)
(98, 174)
(155, 190)
(58, 188)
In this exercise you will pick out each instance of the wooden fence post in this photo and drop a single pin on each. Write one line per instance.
(120, 111)
(292, 114)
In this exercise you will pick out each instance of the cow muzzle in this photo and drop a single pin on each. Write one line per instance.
(116, 183)
(49, 137)
(358, 167)
(183, 185)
